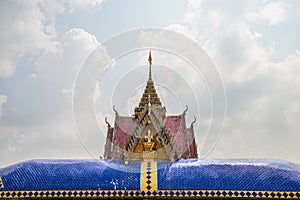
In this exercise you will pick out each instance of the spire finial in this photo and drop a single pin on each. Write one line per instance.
(150, 62)
(150, 58)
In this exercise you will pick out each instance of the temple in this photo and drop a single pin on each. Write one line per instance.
(154, 140)
(149, 134)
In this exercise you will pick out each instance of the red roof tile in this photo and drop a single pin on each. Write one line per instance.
(175, 126)
(124, 127)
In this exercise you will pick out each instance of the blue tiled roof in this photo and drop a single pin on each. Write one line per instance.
(69, 175)
(259, 175)
(102, 177)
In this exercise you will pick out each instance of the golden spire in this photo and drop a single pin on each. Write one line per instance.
(150, 62)
(149, 95)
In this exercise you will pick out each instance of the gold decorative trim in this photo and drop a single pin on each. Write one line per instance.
(156, 193)
(1, 184)
(148, 177)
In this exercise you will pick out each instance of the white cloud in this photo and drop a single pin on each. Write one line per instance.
(29, 26)
(195, 4)
(67, 92)
(55, 139)
(50, 123)
(263, 107)
(189, 25)
(228, 39)
(288, 70)
(23, 31)
(7, 65)
(236, 51)
(273, 13)
(79, 38)
(191, 33)
(3, 100)
(74, 47)
(87, 4)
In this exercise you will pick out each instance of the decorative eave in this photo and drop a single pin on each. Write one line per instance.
(192, 124)
(187, 149)
(109, 140)
(193, 141)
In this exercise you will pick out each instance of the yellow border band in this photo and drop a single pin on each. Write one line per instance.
(1, 184)
(155, 193)
(148, 176)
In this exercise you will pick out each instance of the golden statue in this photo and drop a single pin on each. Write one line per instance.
(148, 143)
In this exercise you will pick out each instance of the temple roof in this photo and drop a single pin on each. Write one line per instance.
(169, 133)
(174, 124)
(209, 178)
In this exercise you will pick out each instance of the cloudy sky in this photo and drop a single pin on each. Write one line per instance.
(254, 45)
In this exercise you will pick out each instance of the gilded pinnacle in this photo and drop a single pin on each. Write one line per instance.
(150, 62)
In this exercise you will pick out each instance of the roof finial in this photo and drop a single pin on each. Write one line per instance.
(114, 108)
(192, 124)
(186, 109)
(150, 62)
(108, 124)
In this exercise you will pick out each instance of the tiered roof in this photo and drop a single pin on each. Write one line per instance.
(149, 95)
